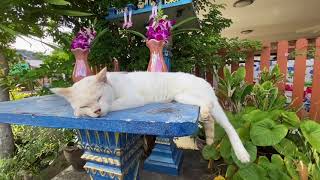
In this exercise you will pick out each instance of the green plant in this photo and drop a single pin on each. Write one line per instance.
(280, 144)
(57, 67)
(36, 148)
(274, 76)
(266, 96)
(233, 89)
(272, 133)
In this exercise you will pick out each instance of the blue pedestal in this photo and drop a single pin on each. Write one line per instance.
(165, 158)
(111, 155)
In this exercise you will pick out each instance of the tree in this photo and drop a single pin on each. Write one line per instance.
(23, 18)
(6, 136)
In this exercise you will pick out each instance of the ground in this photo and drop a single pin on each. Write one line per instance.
(194, 167)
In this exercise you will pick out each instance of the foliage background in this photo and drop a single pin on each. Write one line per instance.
(38, 147)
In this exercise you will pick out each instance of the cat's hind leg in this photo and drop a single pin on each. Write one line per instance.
(205, 108)
(212, 108)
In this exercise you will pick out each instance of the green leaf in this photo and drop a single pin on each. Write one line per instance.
(58, 2)
(71, 12)
(243, 133)
(227, 74)
(99, 35)
(286, 147)
(252, 172)
(252, 150)
(225, 148)
(267, 133)
(315, 172)
(275, 114)
(209, 152)
(231, 170)
(291, 118)
(238, 76)
(186, 30)
(263, 161)
(135, 33)
(187, 20)
(246, 91)
(219, 132)
(277, 160)
(311, 131)
(291, 168)
(278, 174)
(256, 116)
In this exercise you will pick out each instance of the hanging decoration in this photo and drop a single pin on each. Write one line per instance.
(127, 16)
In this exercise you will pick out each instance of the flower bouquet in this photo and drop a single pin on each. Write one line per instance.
(159, 33)
(80, 48)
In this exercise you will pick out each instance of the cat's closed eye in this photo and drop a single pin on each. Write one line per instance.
(84, 107)
(99, 98)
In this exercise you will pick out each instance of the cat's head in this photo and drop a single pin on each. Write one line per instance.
(88, 96)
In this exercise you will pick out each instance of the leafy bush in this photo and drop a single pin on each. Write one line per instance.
(281, 145)
(36, 148)
(233, 89)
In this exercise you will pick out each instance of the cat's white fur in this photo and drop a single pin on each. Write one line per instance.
(97, 95)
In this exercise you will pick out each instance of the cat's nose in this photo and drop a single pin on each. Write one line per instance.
(98, 111)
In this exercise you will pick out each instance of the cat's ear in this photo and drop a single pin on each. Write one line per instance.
(102, 75)
(64, 92)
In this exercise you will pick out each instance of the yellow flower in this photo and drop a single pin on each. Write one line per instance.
(219, 178)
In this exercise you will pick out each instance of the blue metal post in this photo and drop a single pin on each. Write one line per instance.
(111, 155)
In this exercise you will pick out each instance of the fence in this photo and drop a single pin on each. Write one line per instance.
(281, 50)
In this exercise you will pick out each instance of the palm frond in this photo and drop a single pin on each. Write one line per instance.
(135, 33)
(58, 2)
(181, 31)
(187, 20)
(71, 12)
(98, 36)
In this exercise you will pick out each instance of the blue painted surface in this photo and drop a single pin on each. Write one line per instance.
(111, 155)
(165, 158)
(166, 119)
(147, 9)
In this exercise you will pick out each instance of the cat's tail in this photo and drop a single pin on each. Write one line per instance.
(221, 118)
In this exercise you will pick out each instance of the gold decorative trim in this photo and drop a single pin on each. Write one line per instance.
(117, 151)
(105, 160)
(170, 1)
(112, 174)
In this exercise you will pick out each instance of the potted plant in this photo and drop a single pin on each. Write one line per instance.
(72, 152)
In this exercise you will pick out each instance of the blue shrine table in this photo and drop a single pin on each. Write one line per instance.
(113, 144)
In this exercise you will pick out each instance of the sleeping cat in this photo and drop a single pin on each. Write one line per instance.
(97, 95)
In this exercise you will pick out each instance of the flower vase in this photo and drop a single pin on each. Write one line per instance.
(156, 62)
(81, 68)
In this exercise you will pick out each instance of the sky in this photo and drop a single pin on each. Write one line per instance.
(33, 45)
(29, 44)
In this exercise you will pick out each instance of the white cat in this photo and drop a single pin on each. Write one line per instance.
(97, 95)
